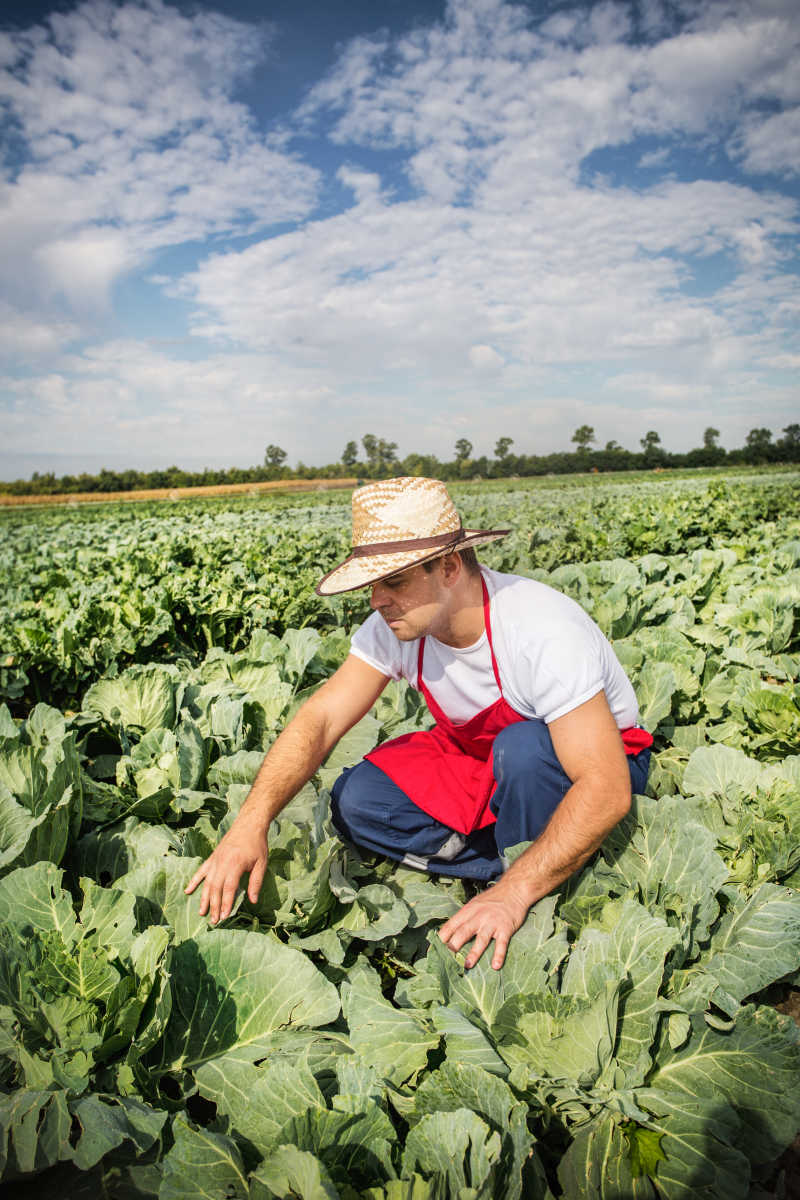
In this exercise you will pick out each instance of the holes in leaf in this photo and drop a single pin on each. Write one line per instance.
(170, 1088)
(201, 1111)
(75, 1130)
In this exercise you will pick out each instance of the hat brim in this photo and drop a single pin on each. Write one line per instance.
(364, 570)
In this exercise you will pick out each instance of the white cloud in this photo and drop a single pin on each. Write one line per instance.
(460, 96)
(133, 396)
(134, 142)
(592, 274)
(655, 158)
(771, 144)
(133, 403)
(365, 185)
(657, 390)
(83, 267)
(485, 358)
(25, 336)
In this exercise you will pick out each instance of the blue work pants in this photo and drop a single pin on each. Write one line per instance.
(370, 810)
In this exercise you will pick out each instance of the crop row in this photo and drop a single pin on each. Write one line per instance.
(88, 593)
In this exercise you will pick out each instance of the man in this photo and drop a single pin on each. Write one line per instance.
(535, 736)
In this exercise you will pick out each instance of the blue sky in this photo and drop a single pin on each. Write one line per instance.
(224, 225)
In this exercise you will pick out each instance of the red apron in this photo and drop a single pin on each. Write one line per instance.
(447, 771)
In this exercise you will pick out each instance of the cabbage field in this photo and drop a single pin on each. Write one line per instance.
(323, 1043)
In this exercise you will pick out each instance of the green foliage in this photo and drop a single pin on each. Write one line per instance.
(583, 437)
(274, 456)
(645, 1150)
(323, 1042)
(89, 593)
(380, 454)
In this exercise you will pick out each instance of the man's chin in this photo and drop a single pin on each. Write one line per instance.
(401, 631)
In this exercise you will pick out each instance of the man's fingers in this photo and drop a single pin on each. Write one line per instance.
(223, 898)
(221, 873)
(450, 923)
(256, 879)
(461, 926)
(482, 939)
(228, 897)
(500, 948)
(199, 874)
(464, 926)
(448, 928)
(205, 899)
(456, 936)
(483, 931)
(485, 918)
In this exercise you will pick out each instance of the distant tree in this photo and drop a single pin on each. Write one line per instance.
(422, 464)
(387, 452)
(710, 454)
(381, 455)
(370, 444)
(650, 442)
(463, 449)
(350, 454)
(611, 447)
(503, 446)
(274, 456)
(791, 438)
(583, 438)
(758, 440)
(758, 447)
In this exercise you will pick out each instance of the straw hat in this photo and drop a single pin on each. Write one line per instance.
(398, 523)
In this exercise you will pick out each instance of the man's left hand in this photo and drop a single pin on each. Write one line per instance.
(495, 915)
(588, 746)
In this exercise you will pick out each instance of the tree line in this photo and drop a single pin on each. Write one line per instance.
(377, 458)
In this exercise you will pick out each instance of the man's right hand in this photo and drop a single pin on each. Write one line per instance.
(242, 849)
(292, 759)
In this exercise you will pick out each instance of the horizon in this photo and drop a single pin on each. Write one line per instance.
(199, 467)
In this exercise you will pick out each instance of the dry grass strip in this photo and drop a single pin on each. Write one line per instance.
(183, 493)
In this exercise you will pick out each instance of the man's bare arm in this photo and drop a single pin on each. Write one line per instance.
(588, 746)
(289, 764)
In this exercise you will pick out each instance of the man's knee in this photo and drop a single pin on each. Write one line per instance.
(347, 798)
(524, 750)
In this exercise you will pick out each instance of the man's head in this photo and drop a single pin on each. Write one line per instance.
(424, 599)
(397, 524)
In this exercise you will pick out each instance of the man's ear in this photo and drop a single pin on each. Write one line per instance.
(452, 568)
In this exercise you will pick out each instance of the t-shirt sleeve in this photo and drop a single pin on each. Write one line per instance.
(565, 672)
(375, 644)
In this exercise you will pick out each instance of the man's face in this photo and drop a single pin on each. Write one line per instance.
(411, 603)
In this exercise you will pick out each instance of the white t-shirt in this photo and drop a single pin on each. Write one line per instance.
(550, 654)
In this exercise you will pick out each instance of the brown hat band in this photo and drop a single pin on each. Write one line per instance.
(428, 543)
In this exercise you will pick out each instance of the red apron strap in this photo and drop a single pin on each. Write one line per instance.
(487, 622)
